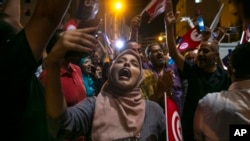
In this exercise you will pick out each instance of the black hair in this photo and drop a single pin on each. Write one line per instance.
(239, 60)
(148, 48)
(246, 9)
(213, 43)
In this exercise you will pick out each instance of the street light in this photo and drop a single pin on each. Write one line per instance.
(118, 6)
(160, 38)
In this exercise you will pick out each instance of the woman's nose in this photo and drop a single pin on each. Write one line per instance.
(126, 64)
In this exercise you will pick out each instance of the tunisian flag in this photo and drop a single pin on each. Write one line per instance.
(173, 123)
(154, 8)
(190, 41)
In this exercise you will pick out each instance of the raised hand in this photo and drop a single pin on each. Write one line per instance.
(170, 16)
(135, 22)
(79, 40)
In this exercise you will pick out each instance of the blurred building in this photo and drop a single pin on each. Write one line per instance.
(208, 10)
(116, 27)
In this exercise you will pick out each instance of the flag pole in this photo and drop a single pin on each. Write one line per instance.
(142, 12)
(166, 115)
(216, 19)
(242, 37)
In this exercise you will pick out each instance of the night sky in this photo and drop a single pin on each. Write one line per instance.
(146, 29)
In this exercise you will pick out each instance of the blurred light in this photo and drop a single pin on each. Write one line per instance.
(160, 38)
(198, 1)
(118, 5)
(119, 44)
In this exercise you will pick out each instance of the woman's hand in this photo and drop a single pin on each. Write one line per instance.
(79, 40)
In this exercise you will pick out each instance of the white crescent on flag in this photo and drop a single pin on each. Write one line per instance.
(190, 41)
(173, 121)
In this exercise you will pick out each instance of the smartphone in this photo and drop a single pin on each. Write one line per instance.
(200, 25)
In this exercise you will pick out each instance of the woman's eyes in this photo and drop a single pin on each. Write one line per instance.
(135, 63)
(132, 62)
(120, 61)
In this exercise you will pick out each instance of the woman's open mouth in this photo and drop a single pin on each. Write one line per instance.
(124, 74)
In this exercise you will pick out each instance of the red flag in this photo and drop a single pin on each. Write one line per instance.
(70, 25)
(154, 8)
(190, 41)
(245, 37)
(173, 124)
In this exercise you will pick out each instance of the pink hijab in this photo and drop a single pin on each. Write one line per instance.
(118, 114)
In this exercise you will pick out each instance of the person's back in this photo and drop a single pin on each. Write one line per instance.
(21, 50)
(26, 112)
(217, 111)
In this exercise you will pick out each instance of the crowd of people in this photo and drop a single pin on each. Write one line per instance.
(68, 87)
